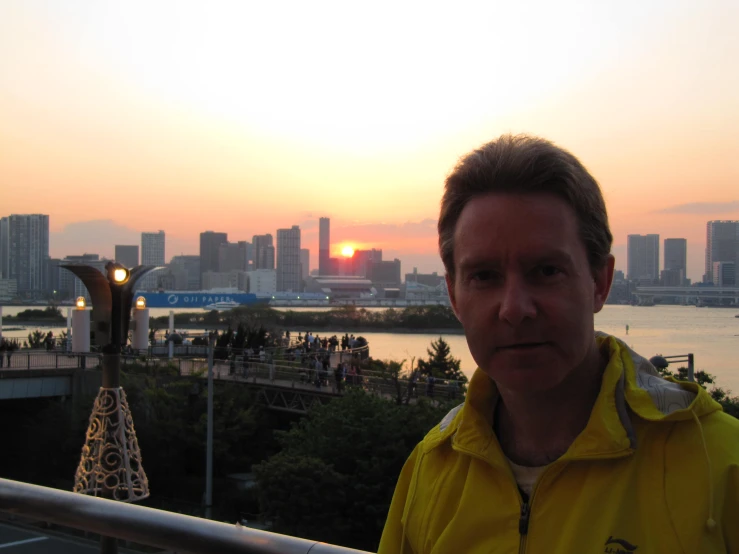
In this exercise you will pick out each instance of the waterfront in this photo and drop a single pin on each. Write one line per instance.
(711, 334)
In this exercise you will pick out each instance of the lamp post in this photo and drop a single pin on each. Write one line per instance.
(110, 464)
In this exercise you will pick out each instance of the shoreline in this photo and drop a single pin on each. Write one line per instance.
(333, 329)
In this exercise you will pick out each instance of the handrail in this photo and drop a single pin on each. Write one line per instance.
(150, 526)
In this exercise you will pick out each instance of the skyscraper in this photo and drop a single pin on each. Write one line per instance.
(675, 262)
(288, 260)
(233, 256)
(190, 267)
(152, 253)
(304, 263)
(127, 254)
(28, 252)
(264, 251)
(363, 260)
(324, 246)
(210, 243)
(643, 258)
(4, 248)
(722, 245)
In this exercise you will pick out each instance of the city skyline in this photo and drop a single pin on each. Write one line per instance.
(107, 247)
(139, 127)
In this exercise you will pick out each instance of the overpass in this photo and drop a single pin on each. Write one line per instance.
(699, 296)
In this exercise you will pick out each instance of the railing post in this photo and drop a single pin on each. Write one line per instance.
(691, 368)
(209, 443)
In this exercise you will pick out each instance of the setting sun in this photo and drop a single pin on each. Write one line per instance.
(347, 251)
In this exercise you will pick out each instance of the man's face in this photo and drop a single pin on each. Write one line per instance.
(523, 289)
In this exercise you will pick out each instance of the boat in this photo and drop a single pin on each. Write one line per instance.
(221, 306)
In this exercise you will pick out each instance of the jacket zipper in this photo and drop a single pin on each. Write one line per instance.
(523, 525)
(525, 516)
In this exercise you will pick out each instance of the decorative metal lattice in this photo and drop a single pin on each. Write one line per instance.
(110, 465)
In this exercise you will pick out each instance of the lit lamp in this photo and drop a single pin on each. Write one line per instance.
(140, 325)
(110, 465)
(81, 326)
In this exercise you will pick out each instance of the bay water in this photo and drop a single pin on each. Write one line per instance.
(710, 334)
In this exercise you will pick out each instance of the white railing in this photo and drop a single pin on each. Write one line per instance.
(157, 528)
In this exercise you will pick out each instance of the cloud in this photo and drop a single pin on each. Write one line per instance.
(97, 236)
(701, 208)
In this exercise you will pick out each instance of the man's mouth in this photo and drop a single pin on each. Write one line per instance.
(522, 346)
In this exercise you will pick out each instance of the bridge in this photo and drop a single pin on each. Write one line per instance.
(281, 384)
(700, 296)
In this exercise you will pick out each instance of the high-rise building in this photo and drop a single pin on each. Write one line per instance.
(643, 258)
(289, 277)
(724, 274)
(190, 266)
(262, 281)
(233, 256)
(28, 252)
(675, 262)
(304, 263)
(152, 253)
(363, 259)
(4, 248)
(324, 246)
(210, 243)
(385, 274)
(264, 251)
(127, 254)
(71, 286)
(722, 245)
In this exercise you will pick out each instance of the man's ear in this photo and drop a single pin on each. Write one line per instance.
(452, 298)
(603, 278)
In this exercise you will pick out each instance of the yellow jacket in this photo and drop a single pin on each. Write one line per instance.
(656, 470)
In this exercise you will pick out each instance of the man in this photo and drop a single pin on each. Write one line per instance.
(568, 441)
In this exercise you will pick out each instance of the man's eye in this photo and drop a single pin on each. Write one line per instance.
(481, 276)
(549, 271)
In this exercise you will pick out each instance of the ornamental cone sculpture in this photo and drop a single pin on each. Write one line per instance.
(110, 465)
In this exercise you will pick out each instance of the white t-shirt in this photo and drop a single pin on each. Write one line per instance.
(526, 477)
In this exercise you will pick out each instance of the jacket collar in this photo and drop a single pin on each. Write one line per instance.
(630, 384)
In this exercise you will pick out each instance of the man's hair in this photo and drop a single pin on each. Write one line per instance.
(522, 164)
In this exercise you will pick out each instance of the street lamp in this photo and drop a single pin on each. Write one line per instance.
(110, 464)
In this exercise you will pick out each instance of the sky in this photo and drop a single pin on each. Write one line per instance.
(245, 117)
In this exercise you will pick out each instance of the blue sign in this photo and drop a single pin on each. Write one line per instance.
(195, 299)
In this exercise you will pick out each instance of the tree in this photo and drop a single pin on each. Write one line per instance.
(342, 459)
(440, 363)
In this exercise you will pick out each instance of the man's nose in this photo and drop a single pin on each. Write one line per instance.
(517, 302)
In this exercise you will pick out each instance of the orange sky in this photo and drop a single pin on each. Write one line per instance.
(117, 118)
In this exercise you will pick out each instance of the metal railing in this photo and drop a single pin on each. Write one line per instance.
(251, 370)
(51, 359)
(148, 526)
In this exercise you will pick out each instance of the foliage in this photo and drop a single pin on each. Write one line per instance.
(344, 318)
(9, 345)
(50, 313)
(342, 459)
(35, 339)
(440, 363)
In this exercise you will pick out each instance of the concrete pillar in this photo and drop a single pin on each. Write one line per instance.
(171, 321)
(140, 329)
(81, 330)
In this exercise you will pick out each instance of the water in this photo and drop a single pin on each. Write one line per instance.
(711, 334)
